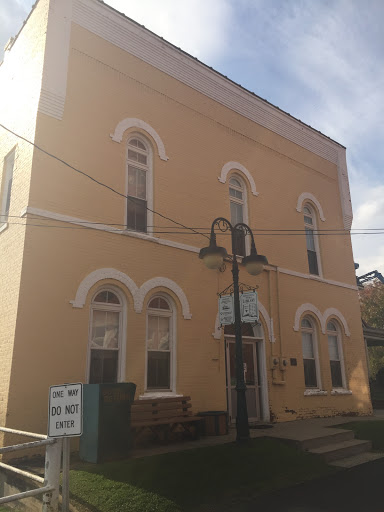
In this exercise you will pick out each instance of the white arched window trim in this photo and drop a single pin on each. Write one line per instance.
(162, 282)
(132, 122)
(236, 166)
(122, 308)
(149, 179)
(173, 360)
(323, 318)
(305, 197)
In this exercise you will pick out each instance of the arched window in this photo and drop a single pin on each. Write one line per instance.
(237, 198)
(105, 337)
(312, 239)
(160, 344)
(139, 183)
(335, 355)
(310, 354)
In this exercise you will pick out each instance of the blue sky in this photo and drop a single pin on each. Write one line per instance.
(319, 60)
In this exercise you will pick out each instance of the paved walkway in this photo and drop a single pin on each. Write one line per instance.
(293, 430)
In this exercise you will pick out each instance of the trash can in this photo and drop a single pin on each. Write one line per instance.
(215, 423)
(106, 421)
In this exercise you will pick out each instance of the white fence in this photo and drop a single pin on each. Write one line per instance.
(50, 482)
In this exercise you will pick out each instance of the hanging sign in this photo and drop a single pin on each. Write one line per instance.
(65, 416)
(248, 307)
(226, 310)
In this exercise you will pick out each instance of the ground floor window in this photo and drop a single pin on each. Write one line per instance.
(160, 344)
(105, 337)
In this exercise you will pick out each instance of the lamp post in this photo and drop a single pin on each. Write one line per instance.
(213, 257)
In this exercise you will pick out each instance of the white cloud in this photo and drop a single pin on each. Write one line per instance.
(199, 27)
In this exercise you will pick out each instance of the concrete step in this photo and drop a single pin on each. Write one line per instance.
(324, 440)
(341, 450)
(356, 460)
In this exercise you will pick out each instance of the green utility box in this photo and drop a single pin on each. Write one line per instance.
(106, 421)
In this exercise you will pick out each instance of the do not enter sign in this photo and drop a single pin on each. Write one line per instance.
(65, 417)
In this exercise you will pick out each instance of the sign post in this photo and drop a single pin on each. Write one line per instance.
(65, 419)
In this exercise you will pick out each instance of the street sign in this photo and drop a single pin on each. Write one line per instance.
(226, 310)
(65, 416)
(248, 307)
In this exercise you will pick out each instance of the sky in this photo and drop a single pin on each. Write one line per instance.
(319, 60)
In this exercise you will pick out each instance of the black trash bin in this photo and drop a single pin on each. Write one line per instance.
(106, 421)
(215, 423)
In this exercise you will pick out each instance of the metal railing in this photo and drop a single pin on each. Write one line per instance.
(50, 482)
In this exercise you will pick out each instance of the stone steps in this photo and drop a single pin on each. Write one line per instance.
(356, 460)
(341, 450)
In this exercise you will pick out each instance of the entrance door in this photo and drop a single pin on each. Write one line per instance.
(251, 379)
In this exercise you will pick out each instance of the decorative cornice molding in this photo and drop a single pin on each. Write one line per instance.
(333, 312)
(132, 122)
(163, 282)
(307, 195)
(323, 318)
(100, 275)
(229, 166)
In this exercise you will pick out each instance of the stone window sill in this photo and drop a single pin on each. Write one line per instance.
(341, 391)
(315, 392)
(3, 227)
(160, 394)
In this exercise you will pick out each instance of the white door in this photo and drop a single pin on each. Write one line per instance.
(251, 378)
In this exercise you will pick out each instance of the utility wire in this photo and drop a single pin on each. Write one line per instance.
(95, 180)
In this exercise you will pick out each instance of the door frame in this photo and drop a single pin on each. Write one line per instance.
(260, 361)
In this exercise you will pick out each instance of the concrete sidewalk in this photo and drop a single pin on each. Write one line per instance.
(295, 431)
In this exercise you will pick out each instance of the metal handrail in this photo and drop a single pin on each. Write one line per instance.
(50, 482)
(22, 433)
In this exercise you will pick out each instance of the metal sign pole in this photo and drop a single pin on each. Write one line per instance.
(66, 464)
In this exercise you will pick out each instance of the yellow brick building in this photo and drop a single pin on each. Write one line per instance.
(105, 286)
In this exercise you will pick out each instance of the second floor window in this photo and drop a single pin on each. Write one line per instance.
(312, 243)
(138, 167)
(237, 204)
(6, 186)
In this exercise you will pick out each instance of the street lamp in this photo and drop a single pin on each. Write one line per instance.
(213, 257)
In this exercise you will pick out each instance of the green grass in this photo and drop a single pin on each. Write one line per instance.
(183, 481)
(368, 430)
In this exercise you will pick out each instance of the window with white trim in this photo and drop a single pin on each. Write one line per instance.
(238, 214)
(335, 355)
(105, 337)
(310, 355)
(160, 344)
(139, 167)
(311, 239)
(6, 186)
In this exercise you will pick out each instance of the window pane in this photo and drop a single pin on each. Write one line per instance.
(333, 348)
(236, 193)
(307, 211)
(132, 181)
(141, 184)
(106, 297)
(133, 155)
(236, 213)
(7, 184)
(306, 323)
(331, 326)
(103, 366)
(137, 214)
(142, 159)
(235, 182)
(307, 220)
(158, 370)
(310, 373)
(105, 329)
(312, 263)
(337, 381)
(141, 145)
(158, 332)
(133, 142)
(307, 345)
(310, 239)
